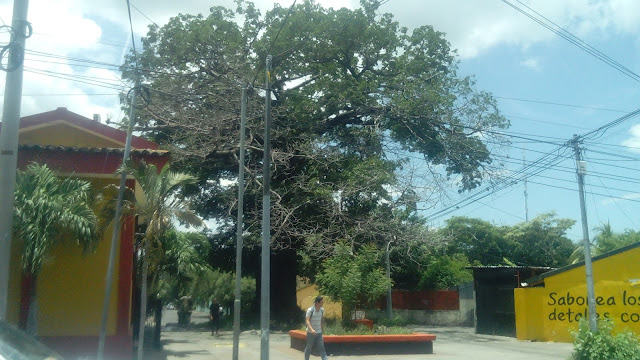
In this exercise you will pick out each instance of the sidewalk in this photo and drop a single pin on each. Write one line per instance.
(452, 343)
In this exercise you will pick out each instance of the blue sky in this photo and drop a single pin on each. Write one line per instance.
(558, 72)
(510, 56)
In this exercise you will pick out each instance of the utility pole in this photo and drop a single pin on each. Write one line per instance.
(265, 297)
(389, 305)
(526, 195)
(9, 141)
(581, 170)
(239, 229)
(116, 225)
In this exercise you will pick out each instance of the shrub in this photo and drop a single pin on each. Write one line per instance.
(357, 280)
(336, 328)
(397, 320)
(604, 344)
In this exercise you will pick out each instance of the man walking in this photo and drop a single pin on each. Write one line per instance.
(214, 316)
(315, 324)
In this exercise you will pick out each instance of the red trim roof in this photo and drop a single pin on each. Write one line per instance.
(62, 113)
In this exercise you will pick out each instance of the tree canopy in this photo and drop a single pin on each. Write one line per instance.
(355, 95)
(369, 119)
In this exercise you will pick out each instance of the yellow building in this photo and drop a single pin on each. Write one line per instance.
(71, 286)
(552, 303)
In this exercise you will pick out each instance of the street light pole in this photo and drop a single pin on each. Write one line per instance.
(236, 302)
(265, 297)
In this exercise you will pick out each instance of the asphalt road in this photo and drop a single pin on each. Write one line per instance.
(452, 343)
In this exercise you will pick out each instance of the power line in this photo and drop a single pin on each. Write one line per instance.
(565, 169)
(545, 122)
(71, 94)
(286, 18)
(143, 14)
(109, 86)
(560, 104)
(558, 30)
(133, 40)
(616, 155)
(511, 180)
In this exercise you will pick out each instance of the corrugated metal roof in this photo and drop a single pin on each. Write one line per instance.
(91, 150)
(513, 267)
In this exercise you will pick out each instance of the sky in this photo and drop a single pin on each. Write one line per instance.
(548, 88)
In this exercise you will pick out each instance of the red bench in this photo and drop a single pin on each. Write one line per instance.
(369, 344)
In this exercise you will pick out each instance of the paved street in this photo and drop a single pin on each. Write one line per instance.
(453, 343)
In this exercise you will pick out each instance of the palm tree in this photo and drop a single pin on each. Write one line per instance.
(162, 204)
(184, 263)
(49, 210)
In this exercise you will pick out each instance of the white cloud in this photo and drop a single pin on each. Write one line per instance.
(634, 141)
(82, 29)
(475, 27)
(532, 63)
(630, 196)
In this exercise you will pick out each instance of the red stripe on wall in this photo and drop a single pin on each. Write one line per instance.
(126, 270)
(423, 300)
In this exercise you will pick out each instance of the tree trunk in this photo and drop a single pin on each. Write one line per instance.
(158, 321)
(284, 304)
(143, 298)
(32, 309)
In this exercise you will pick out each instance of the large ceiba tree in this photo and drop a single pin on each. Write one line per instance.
(368, 120)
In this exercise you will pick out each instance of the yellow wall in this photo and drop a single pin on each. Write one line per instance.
(549, 313)
(70, 289)
(65, 134)
(307, 295)
(15, 282)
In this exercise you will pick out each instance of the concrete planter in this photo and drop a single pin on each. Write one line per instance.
(369, 344)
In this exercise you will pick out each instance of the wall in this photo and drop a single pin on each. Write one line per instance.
(71, 287)
(306, 295)
(422, 300)
(427, 307)
(551, 312)
(464, 316)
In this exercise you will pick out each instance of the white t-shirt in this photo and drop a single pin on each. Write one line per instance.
(315, 318)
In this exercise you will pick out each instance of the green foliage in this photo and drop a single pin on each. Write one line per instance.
(479, 240)
(606, 240)
(352, 90)
(354, 279)
(356, 97)
(221, 286)
(183, 261)
(162, 203)
(335, 328)
(446, 272)
(604, 344)
(539, 242)
(49, 210)
(542, 241)
(382, 320)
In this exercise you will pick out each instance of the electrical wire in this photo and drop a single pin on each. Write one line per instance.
(66, 77)
(558, 30)
(560, 104)
(143, 14)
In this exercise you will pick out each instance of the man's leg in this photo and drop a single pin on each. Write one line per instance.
(310, 341)
(319, 343)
